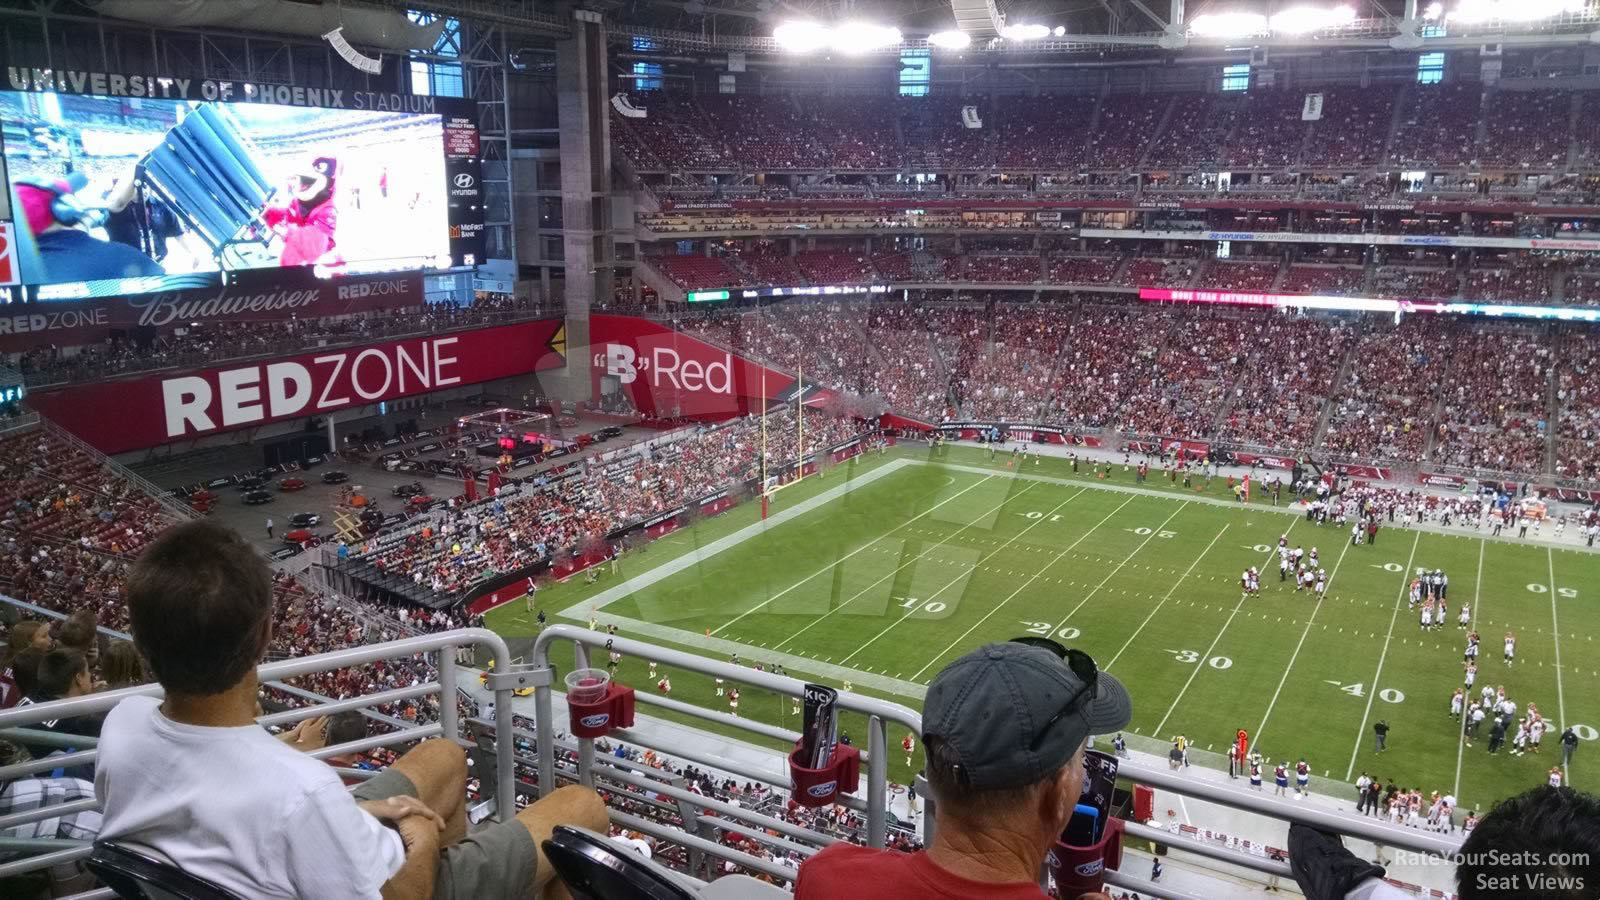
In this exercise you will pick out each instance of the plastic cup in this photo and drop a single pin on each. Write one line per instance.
(587, 685)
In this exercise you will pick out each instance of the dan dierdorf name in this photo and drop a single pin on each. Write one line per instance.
(199, 403)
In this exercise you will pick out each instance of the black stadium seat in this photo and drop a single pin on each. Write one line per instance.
(135, 876)
(595, 867)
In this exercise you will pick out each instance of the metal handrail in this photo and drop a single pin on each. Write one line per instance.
(444, 643)
(878, 712)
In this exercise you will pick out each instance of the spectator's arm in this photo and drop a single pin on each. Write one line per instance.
(414, 881)
(310, 734)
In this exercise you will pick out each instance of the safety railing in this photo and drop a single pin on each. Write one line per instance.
(178, 511)
(704, 819)
(560, 759)
(879, 713)
(445, 645)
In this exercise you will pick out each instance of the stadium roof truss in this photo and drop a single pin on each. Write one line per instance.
(1090, 27)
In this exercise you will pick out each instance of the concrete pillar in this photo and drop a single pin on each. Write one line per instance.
(333, 436)
(582, 103)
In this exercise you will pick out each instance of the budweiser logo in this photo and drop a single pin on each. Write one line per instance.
(164, 309)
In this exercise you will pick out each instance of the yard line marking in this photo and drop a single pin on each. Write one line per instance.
(959, 578)
(1301, 643)
(1399, 599)
(1201, 662)
(829, 567)
(1555, 632)
(915, 559)
(1477, 600)
(1058, 558)
(1153, 532)
(1164, 600)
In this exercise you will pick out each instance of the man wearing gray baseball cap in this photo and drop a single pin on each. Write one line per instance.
(1004, 728)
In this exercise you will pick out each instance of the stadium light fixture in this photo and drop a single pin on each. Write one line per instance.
(1306, 19)
(1029, 32)
(853, 38)
(1433, 11)
(1228, 24)
(801, 36)
(950, 40)
(1469, 12)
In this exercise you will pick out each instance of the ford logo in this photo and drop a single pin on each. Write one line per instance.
(595, 721)
(1090, 868)
(823, 789)
(463, 180)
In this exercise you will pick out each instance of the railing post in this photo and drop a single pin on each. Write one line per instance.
(586, 745)
(546, 747)
(505, 745)
(877, 780)
(445, 662)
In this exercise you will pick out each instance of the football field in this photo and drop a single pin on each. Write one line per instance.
(888, 567)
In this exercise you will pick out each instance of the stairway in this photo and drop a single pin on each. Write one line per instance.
(1230, 399)
(1552, 406)
(1574, 117)
(1155, 134)
(1334, 391)
(1043, 408)
(1401, 103)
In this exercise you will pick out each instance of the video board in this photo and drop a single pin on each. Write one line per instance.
(133, 184)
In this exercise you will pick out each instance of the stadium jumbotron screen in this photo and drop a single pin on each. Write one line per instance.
(127, 195)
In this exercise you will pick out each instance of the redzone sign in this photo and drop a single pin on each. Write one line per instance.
(133, 413)
(194, 406)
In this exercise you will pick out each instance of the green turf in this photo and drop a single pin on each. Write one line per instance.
(897, 577)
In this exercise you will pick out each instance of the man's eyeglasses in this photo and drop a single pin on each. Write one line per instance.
(1081, 664)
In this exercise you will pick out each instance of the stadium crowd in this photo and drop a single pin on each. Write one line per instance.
(199, 344)
(448, 552)
(1436, 125)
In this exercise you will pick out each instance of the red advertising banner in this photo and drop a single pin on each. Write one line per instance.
(1272, 462)
(70, 323)
(133, 413)
(671, 375)
(1372, 473)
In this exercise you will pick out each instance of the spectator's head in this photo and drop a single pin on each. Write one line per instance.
(31, 633)
(63, 672)
(25, 671)
(1553, 832)
(78, 631)
(121, 666)
(200, 604)
(1004, 729)
(342, 729)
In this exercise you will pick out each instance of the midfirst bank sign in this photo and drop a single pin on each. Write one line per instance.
(162, 87)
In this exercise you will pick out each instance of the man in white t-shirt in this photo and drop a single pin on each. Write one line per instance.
(194, 779)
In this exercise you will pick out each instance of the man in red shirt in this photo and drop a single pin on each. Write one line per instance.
(1004, 730)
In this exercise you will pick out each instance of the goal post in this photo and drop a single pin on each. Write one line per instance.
(771, 483)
